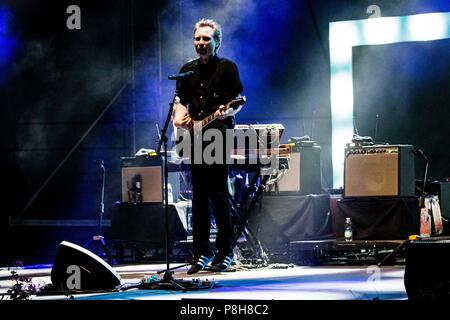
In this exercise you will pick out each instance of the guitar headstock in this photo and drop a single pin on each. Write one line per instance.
(235, 103)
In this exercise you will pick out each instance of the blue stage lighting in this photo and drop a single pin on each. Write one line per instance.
(7, 42)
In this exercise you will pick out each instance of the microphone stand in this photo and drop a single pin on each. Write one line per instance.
(163, 141)
(423, 193)
(422, 204)
(98, 238)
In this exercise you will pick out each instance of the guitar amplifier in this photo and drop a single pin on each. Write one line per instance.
(379, 170)
(304, 173)
(142, 179)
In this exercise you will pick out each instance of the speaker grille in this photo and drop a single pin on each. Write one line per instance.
(143, 176)
(379, 171)
(151, 183)
(304, 174)
(371, 175)
(291, 180)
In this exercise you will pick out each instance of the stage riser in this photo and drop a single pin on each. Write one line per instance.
(380, 218)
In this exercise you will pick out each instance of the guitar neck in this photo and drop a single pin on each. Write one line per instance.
(208, 120)
(213, 116)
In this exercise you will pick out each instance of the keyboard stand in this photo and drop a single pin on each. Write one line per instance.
(241, 212)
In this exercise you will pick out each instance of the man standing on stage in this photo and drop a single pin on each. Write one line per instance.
(215, 82)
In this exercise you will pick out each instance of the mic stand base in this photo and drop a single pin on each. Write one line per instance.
(169, 283)
(174, 268)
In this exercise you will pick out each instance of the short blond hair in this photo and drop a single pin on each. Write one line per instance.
(214, 25)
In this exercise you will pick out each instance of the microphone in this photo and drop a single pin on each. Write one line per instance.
(420, 153)
(181, 75)
(100, 162)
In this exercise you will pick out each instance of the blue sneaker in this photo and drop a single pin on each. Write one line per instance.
(200, 264)
(223, 263)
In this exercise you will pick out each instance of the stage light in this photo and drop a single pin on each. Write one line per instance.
(342, 95)
(7, 43)
(341, 131)
(343, 36)
(380, 31)
(424, 27)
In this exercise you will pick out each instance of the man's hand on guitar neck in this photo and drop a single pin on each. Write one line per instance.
(221, 113)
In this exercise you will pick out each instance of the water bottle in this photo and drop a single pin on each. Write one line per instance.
(348, 233)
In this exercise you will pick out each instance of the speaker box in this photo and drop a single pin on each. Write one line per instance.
(304, 174)
(76, 268)
(374, 171)
(142, 179)
(427, 271)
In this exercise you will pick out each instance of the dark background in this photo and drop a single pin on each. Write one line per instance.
(70, 97)
(402, 97)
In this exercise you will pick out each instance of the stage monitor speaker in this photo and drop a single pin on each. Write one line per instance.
(76, 268)
(427, 271)
(377, 171)
(142, 179)
(304, 174)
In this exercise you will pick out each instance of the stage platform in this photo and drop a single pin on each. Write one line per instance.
(242, 282)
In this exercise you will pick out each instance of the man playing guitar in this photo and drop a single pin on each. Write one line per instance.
(214, 83)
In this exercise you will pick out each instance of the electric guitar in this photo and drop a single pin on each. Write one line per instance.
(233, 104)
(198, 125)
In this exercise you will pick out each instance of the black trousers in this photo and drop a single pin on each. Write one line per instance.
(210, 191)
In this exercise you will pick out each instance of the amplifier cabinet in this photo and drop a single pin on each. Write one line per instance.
(304, 173)
(142, 179)
(374, 171)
